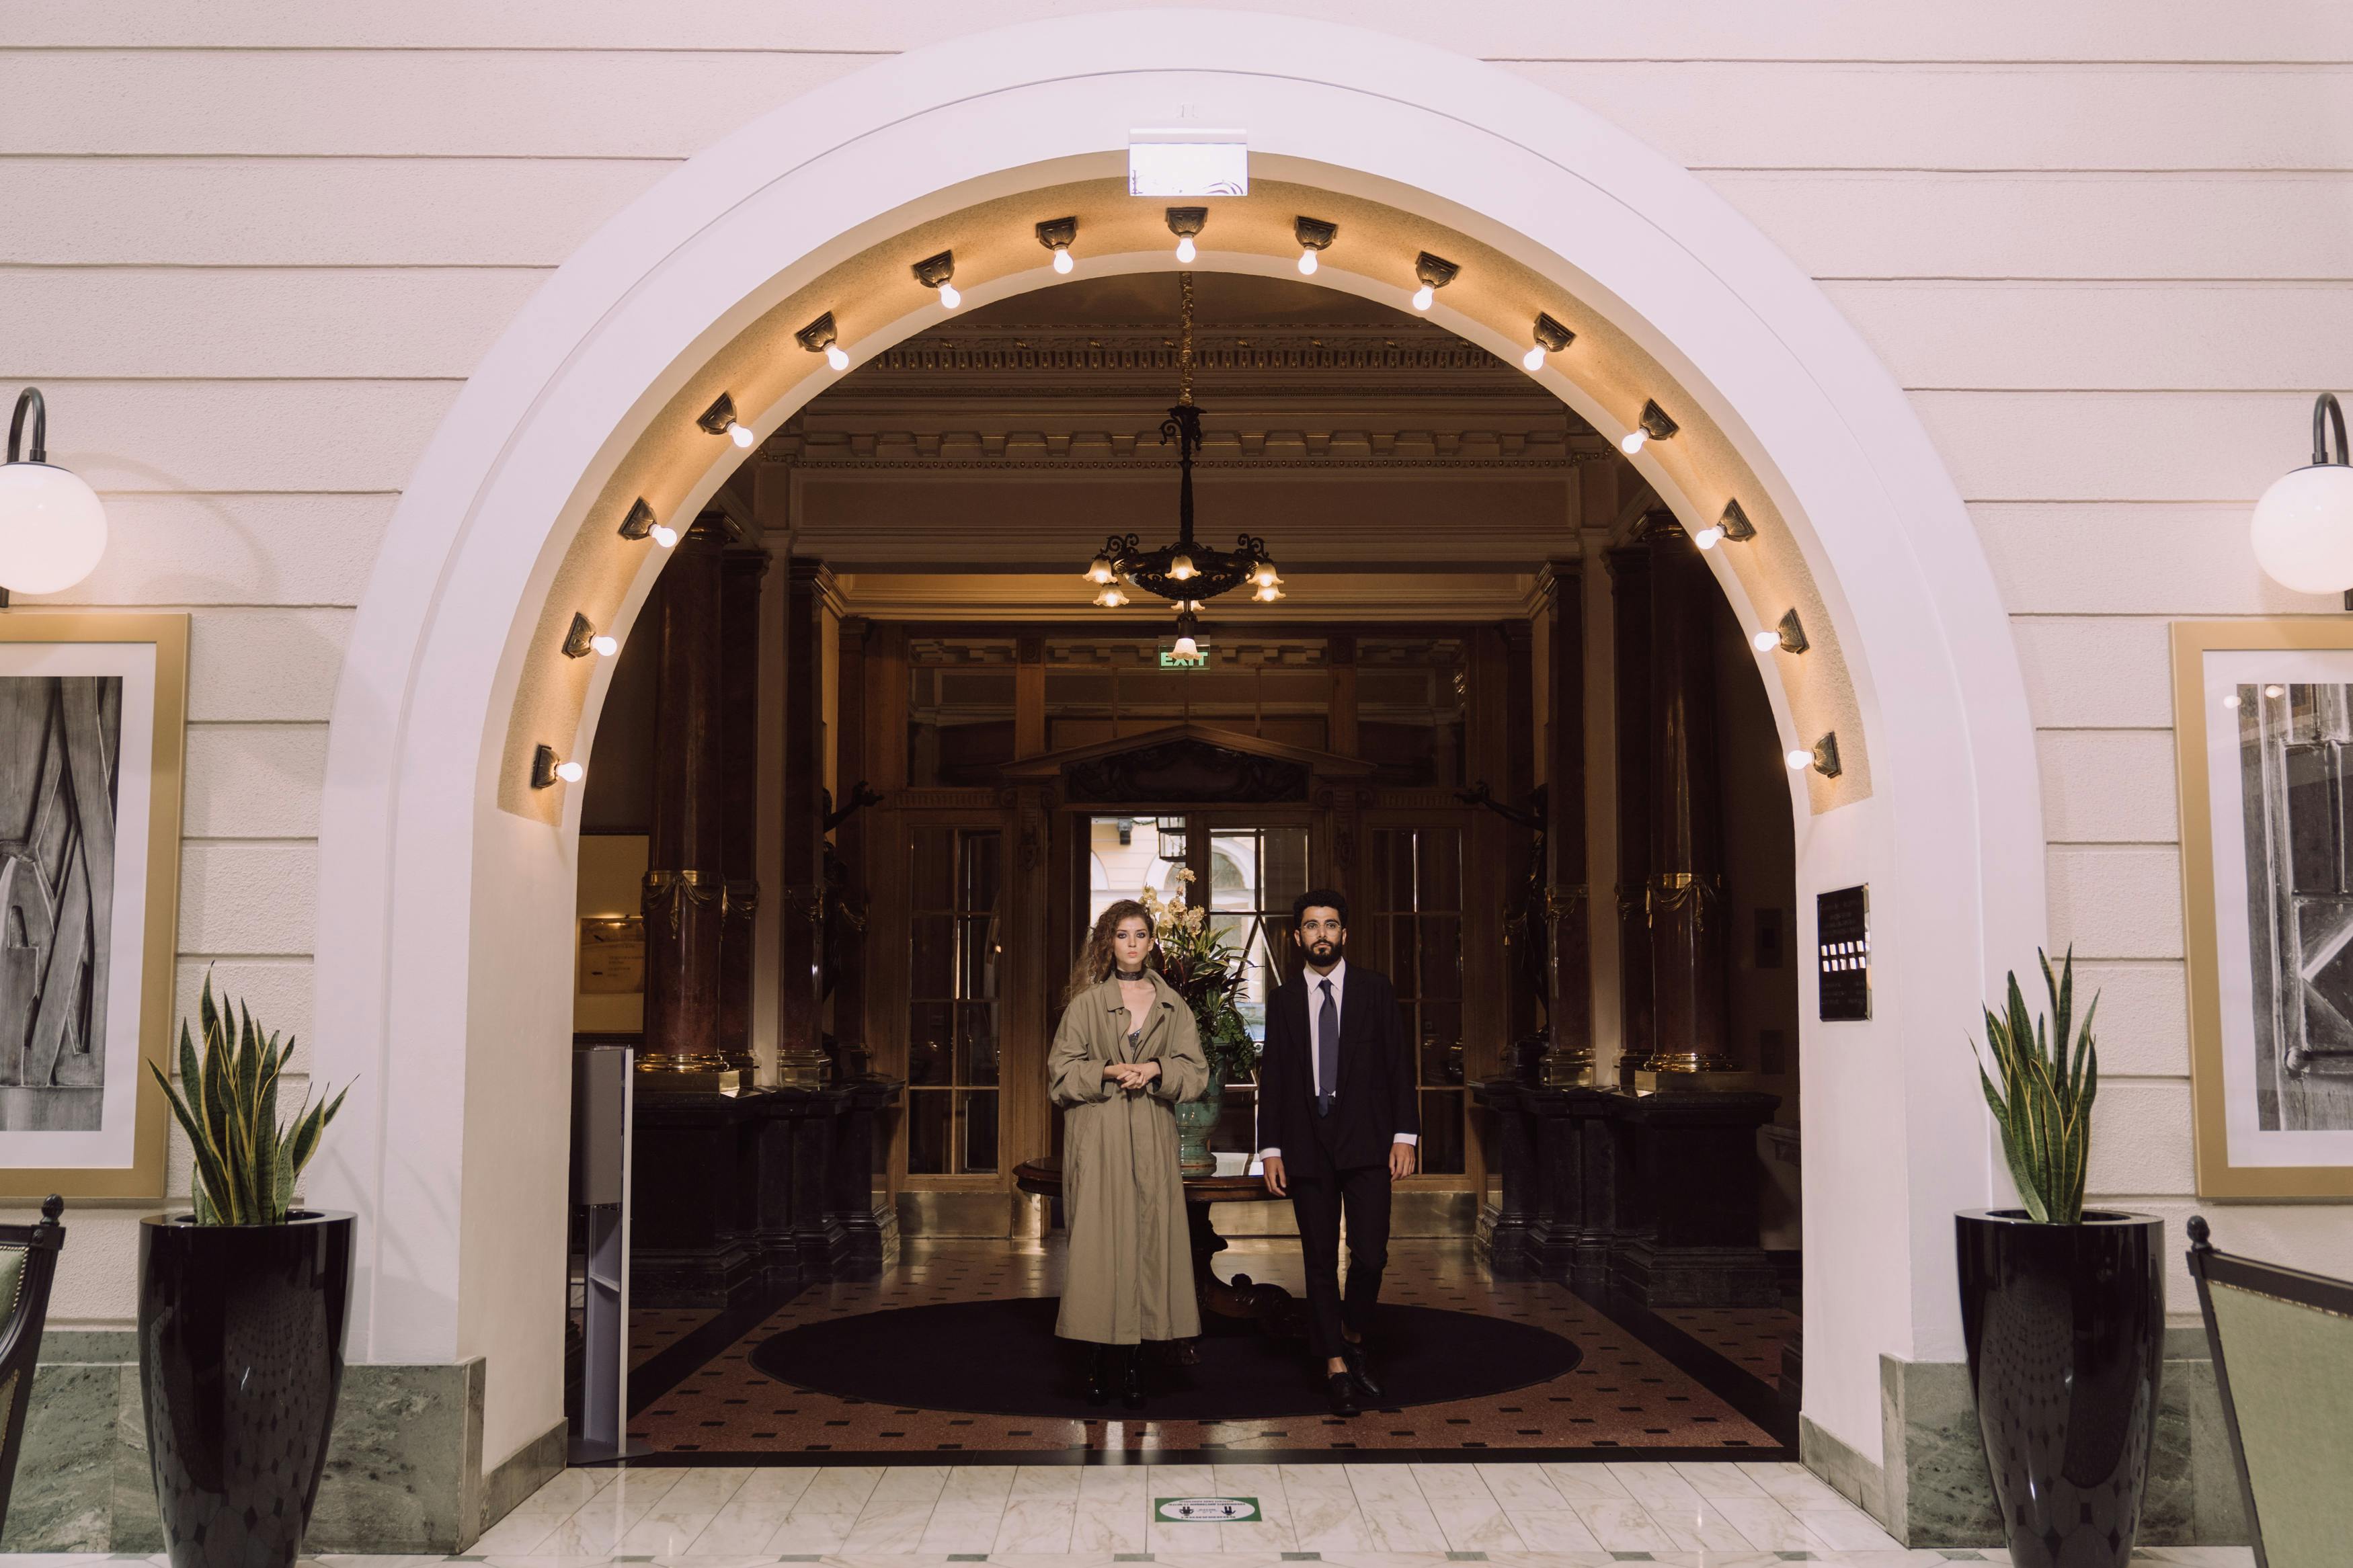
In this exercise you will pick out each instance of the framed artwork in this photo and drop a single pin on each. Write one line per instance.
(94, 712)
(2264, 737)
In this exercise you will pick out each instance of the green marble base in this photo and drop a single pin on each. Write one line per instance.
(404, 1472)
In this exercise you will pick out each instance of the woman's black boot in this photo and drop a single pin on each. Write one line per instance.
(1131, 1384)
(1099, 1375)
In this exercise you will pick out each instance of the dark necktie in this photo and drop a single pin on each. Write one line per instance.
(1327, 1052)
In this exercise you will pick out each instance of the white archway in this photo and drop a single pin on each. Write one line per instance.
(443, 962)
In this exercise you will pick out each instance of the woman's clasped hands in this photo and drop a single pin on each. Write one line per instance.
(1131, 1075)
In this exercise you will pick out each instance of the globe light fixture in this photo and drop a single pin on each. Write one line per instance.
(52, 526)
(2302, 526)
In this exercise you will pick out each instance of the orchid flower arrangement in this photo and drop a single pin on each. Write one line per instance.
(1204, 969)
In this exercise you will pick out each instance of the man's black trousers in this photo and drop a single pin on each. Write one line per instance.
(1363, 1192)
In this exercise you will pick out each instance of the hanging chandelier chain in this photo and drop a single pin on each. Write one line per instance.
(1184, 338)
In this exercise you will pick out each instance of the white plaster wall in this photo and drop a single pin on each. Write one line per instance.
(253, 250)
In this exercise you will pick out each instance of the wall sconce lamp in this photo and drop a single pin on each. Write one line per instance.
(1823, 759)
(52, 527)
(1551, 337)
(546, 772)
(641, 524)
(1184, 223)
(584, 639)
(1314, 235)
(1732, 525)
(1435, 272)
(1058, 234)
(2302, 528)
(1789, 636)
(820, 338)
(720, 420)
(934, 272)
(1654, 425)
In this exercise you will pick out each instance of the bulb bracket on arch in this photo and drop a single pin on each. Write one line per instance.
(1553, 335)
(1058, 233)
(1435, 271)
(933, 271)
(1313, 233)
(543, 767)
(718, 416)
(581, 640)
(1659, 428)
(1826, 757)
(1736, 524)
(818, 335)
(1793, 633)
(1187, 222)
(640, 521)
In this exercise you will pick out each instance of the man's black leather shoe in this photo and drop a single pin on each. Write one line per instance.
(1360, 1367)
(1343, 1390)
(1132, 1386)
(1098, 1377)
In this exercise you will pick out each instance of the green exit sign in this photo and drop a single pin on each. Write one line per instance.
(1171, 659)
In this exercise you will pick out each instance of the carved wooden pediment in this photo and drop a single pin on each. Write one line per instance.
(1186, 764)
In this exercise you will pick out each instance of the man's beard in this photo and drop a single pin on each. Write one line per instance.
(1324, 955)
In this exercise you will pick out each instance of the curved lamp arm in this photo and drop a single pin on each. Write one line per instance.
(2326, 416)
(31, 397)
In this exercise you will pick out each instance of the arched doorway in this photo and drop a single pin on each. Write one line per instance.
(446, 884)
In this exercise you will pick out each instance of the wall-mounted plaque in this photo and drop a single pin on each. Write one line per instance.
(613, 956)
(1842, 935)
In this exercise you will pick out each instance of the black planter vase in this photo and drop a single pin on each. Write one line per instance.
(240, 1359)
(2066, 1330)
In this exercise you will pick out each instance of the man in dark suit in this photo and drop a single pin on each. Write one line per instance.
(1337, 1123)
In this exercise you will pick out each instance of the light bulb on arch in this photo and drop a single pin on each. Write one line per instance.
(1799, 758)
(1708, 538)
(1633, 441)
(605, 644)
(835, 357)
(1423, 296)
(1063, 262)
(1765, 641)
(1185, 249)
(665, 535)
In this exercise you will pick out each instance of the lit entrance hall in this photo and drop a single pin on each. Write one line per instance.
(1173, 783)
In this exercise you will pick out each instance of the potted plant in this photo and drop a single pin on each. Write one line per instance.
(241, 1310)
(2063, 1311)
(1205, 970)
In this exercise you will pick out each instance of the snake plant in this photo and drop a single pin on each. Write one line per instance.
(2043, 1100)
(246, 1164)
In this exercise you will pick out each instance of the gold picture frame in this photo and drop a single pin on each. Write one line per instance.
(123, 676)
(2248, 905)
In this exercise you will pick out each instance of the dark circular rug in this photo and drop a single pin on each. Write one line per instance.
(1001, 1358)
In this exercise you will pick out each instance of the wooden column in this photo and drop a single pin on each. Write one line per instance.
(852, 763)
(739, 796)
(685, 869)
(1686, 879)
(800, 925)
(1629, 584)
(1524, 998)
(1568, 999)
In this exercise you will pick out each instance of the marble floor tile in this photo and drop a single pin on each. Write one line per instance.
(821, 1517)
(685, 1510)
(1112, 1513)
(1697, 1524)
(597, 1527)
(533, 1519)
(1040, 1507)
(1466, 1511)
(896, 1511)
(1396, 1512)
(970, 1509)
(1769, 1525)
(1323, 1513)
(1172, 1481)
(1651, 1484)
(748, 1521)
(1555, 1528)
(1845, 1529)
(1716, 1479)
(1621, 1524)
(1521, 1487)
(1271, 1531)
(1578, 1483)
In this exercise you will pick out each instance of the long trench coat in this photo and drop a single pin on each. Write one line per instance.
(1131, 1256)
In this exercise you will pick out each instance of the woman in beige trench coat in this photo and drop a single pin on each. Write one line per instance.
(1125, 1054)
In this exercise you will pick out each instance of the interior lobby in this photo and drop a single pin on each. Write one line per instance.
(674, 583)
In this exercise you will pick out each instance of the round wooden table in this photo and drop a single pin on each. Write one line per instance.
(1271, 1307)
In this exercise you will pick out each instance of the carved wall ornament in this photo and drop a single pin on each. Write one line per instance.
(666, 894)
(1188, 770)
(1671, 891)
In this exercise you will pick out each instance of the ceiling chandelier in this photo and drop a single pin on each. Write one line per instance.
(1188, 573)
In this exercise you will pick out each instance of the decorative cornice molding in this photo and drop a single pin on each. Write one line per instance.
(1227, 450)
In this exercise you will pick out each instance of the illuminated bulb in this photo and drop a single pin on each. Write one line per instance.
(1110, 598)
(571, 772)
(2232, 700)
(1268, 594)
(949, 296)
(1633, 440)
(1186, 648)
(1181, 569)
(1307, 264)
(665, 535)
(1100, 570)
(605, 644)
(1767, 641)
(1063, 262)
(1423, 296)
(2274, 691)
(1709, 538)
(836, 357)
(1799, 759)
(1184, 251)
(1534, 359)
(1264, 575)
(741, 434)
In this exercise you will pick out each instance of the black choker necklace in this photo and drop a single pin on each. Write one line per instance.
(1127, 973)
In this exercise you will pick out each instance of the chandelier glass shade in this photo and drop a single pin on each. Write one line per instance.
(1186, 573)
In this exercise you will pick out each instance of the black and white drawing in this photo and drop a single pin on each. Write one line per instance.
(60, 760)
(2296, 765)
